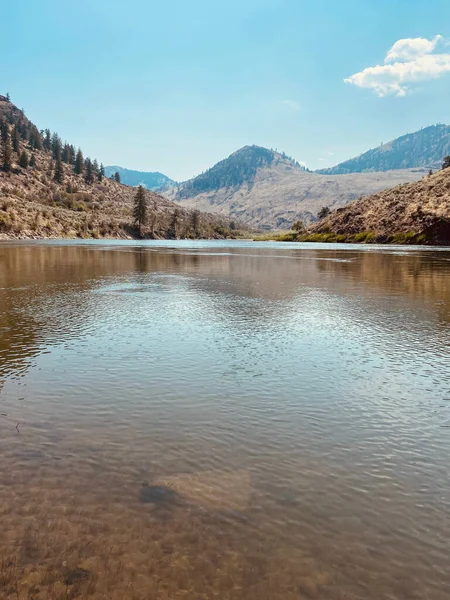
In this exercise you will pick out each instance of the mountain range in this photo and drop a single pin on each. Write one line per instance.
(267, 189)
(264, 189)
(150, 180)
(425, 148)
(49, 189)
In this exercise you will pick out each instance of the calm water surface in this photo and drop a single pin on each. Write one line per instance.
(224, 420)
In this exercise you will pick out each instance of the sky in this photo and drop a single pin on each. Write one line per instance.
(176, 86)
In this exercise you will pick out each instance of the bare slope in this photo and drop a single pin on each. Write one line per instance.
(33, 204)
(408, 208)
(276, 191)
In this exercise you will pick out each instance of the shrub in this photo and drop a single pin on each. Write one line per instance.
(5, 223)
(323, 212)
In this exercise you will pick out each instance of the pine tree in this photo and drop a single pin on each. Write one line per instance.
(32, 161)
(23, 160)
(88, 175)
(78, 167)
(15, 139)
(47, 143)
(65, 153)
(140, 209)
(195, 222)
(101, 172)
(58, 175)
(323, 212)
(173, 228)
(56, 146)
(95, 166)
(6, 153)
(4, 132)
(22, 129)
(117, 177)
(35, 139)
(8, 97)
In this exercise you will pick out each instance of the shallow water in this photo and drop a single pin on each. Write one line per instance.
(224, 420)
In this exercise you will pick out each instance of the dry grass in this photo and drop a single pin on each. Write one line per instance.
(33, 205)
(282, 194)
(32, 208)
(404, 210)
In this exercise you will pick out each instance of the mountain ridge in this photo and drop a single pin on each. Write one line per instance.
(48, 189)
(400, 214)
(151, 180)
(421, 149)
(267, 189)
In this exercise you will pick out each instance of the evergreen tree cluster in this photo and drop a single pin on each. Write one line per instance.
(18, 134)
(424, 148)
(238, 168)
(5, 146)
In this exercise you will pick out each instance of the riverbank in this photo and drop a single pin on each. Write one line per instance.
(333, 238)
(437, 234)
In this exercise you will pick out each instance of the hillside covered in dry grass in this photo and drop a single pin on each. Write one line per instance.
(42, 194)
(415, 211)
(266, 189)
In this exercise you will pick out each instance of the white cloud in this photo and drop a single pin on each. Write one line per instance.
(411, 48)
(291, 104)
(409, 61)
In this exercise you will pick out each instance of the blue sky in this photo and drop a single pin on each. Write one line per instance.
(176, 86)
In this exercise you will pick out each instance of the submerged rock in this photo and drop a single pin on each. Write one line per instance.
(158, 494)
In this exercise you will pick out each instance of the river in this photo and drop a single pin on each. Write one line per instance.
(230, 420)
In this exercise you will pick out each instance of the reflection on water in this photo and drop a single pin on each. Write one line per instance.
(236, 421)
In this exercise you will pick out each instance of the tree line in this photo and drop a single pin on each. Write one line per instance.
(142, 215)
(16, 132)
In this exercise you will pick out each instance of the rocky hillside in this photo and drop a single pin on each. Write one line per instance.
(404, 212)
(150, 180)
(47, 189)
(422, 149)
(263, 188)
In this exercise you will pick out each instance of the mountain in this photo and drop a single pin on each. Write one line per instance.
(422, 149)
(239, 168)
(416, 212)
(266, 189)
(150, 180)
(41, 195)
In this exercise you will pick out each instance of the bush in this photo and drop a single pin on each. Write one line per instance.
(323, 212)
(5, 223)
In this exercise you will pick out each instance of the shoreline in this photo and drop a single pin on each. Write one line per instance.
(363, 238)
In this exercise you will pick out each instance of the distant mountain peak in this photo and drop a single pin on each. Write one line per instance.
(238, 169)
(152, 180)
(422, 149)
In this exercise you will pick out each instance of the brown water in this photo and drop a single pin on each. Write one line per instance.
(235, 421)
